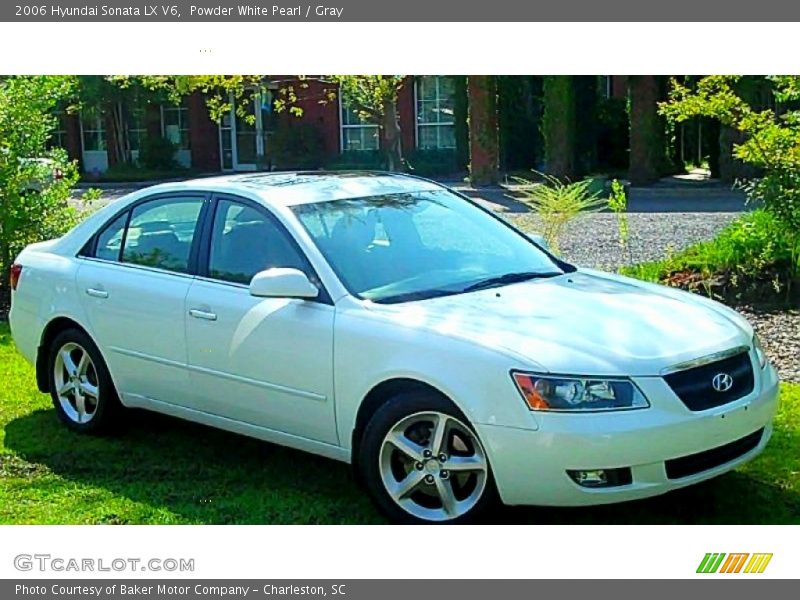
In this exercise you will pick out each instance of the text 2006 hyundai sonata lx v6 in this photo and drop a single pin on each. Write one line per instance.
(386, 321)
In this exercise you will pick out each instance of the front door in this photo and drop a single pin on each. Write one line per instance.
(264, 361)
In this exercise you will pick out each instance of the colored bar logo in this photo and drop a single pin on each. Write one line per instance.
(737, 562)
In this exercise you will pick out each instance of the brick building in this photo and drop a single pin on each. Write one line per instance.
(432, 113)
(426, 107)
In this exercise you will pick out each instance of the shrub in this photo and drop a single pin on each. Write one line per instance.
(158, 153)
(433, 163)
(557, 203)
(296, 146)
(34, 203)
(618, 204)
(358, 160)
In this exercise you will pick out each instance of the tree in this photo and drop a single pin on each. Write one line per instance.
(374, 98)
(647, 130)
(222, 92)
(115, 98)
(768, 134)
(484, 140)
(33, 203)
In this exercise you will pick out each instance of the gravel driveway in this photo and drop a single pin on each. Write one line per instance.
(592, 241)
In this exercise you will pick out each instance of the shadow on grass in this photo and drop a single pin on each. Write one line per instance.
(201, 474)
(208, 476)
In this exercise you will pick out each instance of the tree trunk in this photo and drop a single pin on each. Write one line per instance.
(392, 140)
(647, 158)
(120, 151)
(559, 126)
(484, 143)
(461, 117)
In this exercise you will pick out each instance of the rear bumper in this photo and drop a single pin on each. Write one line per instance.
(530, 466)
(25, 330)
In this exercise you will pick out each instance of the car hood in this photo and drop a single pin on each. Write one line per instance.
(586, 322)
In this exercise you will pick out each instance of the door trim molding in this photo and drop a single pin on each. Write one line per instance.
(221, 374)
(241, 427)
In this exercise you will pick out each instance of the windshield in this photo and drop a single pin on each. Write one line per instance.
(412, 246)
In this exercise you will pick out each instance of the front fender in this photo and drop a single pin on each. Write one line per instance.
(475, 378)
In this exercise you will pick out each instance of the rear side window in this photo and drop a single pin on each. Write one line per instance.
(157, 233)
(160, 233)
(109, 242)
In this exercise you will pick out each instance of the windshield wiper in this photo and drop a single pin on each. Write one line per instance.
(418, 295)
(498, 281)
(509, 278)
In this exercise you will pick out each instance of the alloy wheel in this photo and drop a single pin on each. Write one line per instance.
(433, 466)
(76, 383)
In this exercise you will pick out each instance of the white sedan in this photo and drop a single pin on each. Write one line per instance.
(385, 321)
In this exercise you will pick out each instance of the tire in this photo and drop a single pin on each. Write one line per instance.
(80, 385)
(425, 482)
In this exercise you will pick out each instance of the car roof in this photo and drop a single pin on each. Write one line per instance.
(303, 187)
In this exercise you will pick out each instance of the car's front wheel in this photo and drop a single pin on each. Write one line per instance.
(80, 384)
(423, 463)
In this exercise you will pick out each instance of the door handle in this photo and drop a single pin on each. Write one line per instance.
(95, 293)
(202, 314)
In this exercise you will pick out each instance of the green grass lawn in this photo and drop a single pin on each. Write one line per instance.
(162, 470)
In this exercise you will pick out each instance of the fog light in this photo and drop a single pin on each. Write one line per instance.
(602, 478)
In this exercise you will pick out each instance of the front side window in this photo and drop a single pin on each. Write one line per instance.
(245, 241)
(435, 113)
(160, 233)
(401, 247)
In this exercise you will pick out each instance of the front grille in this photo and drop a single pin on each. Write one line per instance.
(695, 386)
(685, 466)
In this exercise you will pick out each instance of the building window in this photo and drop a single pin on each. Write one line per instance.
(137, 128)
(607, 85)
(357, 134)
(93, 130)
(435, 112)
(58, 139)
(175, 121)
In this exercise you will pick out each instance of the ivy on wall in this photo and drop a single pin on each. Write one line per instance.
(519, 118)
(559, 125)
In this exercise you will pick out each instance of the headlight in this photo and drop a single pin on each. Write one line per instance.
(759, 349)
(544, 392)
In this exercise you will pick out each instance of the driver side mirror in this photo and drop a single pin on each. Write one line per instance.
(539, 241)
(282, 283)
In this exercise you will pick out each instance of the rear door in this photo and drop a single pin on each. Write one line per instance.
(264, 361)
(133, 281)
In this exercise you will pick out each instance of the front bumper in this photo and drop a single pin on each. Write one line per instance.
(530, 465)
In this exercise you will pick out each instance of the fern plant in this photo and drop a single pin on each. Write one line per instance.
(558, 202)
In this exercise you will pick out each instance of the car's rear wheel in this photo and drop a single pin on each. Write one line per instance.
(423, 463)
(80, 384)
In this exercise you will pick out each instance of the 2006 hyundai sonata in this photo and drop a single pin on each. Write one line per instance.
(386, 321)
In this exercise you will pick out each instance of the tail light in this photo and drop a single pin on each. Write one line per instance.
(16, 271)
